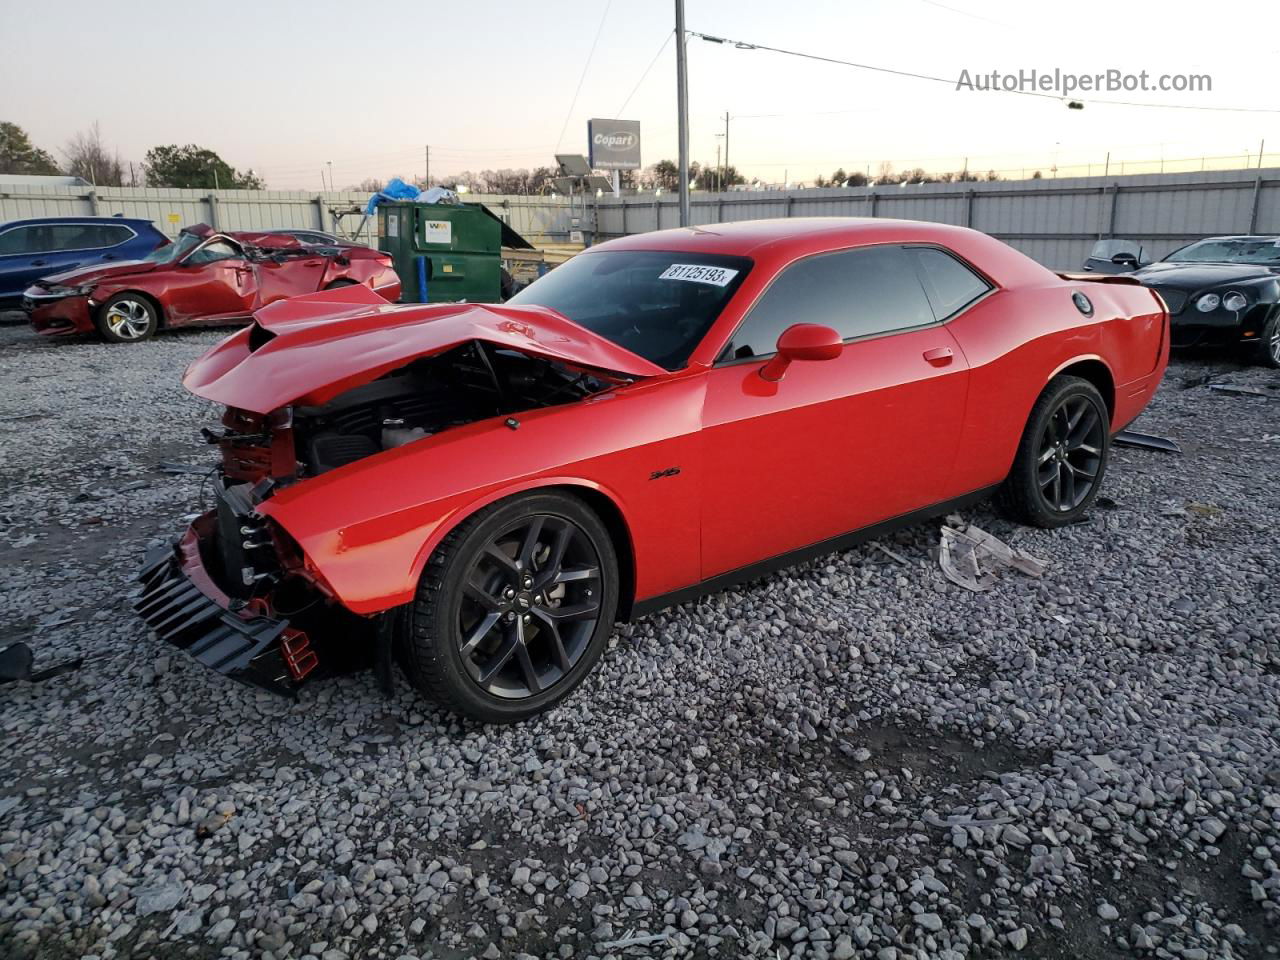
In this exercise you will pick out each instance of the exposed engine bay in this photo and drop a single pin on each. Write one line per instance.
(474, 381)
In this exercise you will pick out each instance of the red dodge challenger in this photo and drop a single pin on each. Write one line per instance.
(203, 277)
(483, 490)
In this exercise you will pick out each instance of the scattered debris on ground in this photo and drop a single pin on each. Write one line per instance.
(973, 558)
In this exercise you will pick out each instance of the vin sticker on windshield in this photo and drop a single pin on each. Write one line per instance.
(699, 273)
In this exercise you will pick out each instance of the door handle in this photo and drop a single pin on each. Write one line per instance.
(38, 263)
(939, 356)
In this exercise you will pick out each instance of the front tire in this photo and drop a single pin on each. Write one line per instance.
(1062, 456)
(1268, 348)
(514, 608)
(127, 318)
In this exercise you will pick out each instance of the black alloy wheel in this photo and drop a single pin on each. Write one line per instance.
(530, 604)
(1062, 456)
(514, 607)
(1070, 453)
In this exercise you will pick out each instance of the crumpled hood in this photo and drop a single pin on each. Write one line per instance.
(81, 276)
(309, 349)
(1199, 276)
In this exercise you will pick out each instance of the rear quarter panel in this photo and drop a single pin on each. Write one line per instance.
(369, 527)
(1019, 339)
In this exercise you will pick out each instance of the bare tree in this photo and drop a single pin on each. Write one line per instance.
(88, 157)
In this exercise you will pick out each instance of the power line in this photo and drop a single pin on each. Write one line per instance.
(578, 89)
(625, 102)
(951, 82)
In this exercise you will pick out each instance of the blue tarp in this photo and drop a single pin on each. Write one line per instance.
(397, 189)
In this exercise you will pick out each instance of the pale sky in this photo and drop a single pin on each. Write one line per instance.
(284, 86)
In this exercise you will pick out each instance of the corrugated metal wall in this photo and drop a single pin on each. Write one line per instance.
(540, 219)
(1054, 221)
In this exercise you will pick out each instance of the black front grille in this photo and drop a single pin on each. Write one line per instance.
(1176, 299)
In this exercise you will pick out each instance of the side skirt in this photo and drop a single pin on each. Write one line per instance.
(844, 541)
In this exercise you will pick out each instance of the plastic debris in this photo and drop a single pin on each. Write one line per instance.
(892, 554)
(1147, 441)
(16, 661)
(636, 941)
(972, 558)
(1245, 391)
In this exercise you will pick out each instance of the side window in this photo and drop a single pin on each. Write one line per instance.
(950, 284)
(858, 292)
(212, 252)
(109, 235)
(73, 236)
(22, 240)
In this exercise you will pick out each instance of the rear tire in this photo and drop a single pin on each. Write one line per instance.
(1267, 350)
(1062, 457)
(340, 283)
(513, 608)
(127, 318)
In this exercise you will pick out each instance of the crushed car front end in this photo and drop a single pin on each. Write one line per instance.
(58, 310)
(338, 410)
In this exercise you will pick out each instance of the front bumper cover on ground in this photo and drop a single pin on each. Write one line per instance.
(181, 603)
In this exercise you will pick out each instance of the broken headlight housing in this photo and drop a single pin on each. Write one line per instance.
(60, 290)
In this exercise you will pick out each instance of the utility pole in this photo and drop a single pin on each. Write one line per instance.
(330, 164)
(1261, 147)
(426, 155)
(719, 175)
(726, 148)
(682, 112)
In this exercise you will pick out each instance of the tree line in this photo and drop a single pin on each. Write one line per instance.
(86, 155)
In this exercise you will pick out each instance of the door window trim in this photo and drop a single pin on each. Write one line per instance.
(992, 287)
(133, 235)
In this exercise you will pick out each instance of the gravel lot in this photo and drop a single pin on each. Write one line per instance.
(853, 758)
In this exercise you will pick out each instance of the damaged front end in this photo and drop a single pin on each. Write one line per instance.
(237, 592)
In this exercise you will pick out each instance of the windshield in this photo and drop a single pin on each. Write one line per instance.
(170, 252)
(658, 305)
(1265, 251)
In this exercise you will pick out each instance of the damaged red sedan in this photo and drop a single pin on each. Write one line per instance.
(204, 277)
(480, 491)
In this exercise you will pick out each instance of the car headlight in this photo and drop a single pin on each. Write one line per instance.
(61, 291)
(1208, 302)
(1235, 301)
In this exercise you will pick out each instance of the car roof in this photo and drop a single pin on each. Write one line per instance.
(1263, 237)
(746, 237)
(38, 221)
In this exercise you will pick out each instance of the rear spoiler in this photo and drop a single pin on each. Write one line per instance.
(1100, 278)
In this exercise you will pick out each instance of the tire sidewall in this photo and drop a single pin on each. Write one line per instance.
(1059, 390)
(100, 321)
(443, 616)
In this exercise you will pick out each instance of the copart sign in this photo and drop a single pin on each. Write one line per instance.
(613, 144)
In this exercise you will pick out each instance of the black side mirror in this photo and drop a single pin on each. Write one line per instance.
(1125, 260)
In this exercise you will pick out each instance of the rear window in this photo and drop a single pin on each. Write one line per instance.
(658, 305)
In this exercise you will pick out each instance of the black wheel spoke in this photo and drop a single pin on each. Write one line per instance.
(1057, 487)
(513, 641)
(1068, 488)
(571, 574)
(502, 559)
(475, 592)
(530, 544)
(1083, 427)
(527, 669)
(548, 628)
(579, 611)
(479, 632)
(550, 570)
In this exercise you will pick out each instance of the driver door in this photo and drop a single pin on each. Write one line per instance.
(214, 282)
(836, 445)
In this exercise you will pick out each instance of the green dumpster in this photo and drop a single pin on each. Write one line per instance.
(444, 252)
